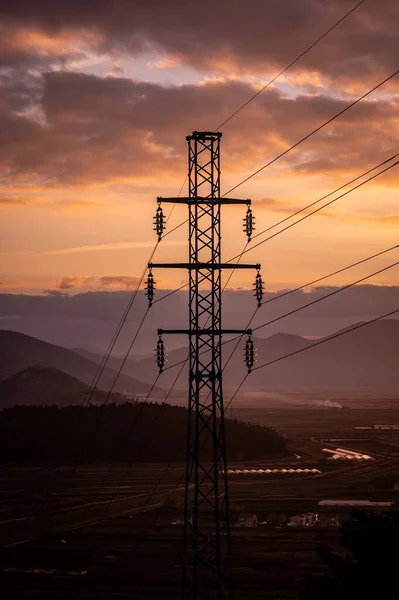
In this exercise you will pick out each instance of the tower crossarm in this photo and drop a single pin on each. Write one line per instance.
(202, 265)
(205, 331)
(201, 200)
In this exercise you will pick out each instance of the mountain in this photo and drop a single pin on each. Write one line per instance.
(39, 385)
(114, 362)
(364, 359)
(132, 432)
(20, 351)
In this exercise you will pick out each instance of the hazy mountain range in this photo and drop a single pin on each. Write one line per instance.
(363, 360)
(19, 352)
(89, 320)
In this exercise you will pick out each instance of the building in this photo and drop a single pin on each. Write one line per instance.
(248, 520)
(304, 520)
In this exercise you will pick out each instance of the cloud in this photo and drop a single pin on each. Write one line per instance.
(245, 39)
(111, 246)
(119, 281)
(13, 200)
(98, 131)
(79, 283)
(54, 293)
(68, 283)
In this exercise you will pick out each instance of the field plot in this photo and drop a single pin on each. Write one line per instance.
(82, 533)
(140, 556)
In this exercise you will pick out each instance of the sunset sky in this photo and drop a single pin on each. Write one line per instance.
(97, 98)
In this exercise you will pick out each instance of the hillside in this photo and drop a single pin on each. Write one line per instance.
(39, 385)
(365, 359)
(20, 351)
(133, 432)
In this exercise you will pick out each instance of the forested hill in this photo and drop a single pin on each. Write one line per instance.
(133, 432)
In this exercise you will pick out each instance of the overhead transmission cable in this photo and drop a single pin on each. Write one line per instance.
(313, 212)
(271, 81)
(246, 249)
(310, 134)
(317, 300)
(313, 132)
(338, 189)
(341, 112)
(284, 357)
(183, 363)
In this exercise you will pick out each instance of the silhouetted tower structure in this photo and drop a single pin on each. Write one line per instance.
(207, 544)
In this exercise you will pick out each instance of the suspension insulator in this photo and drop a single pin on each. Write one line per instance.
(150, 288)
(258, 289)
(159, 222)
(249, 354)
(160, 354)
(249, 224)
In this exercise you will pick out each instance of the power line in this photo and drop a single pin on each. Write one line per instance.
(145, 438)
(306, 137)
(327, 339)
(352, 265)
(384, 162)
(323, 341)
(136, 418)
(333, 293)
(301, 287)
(239, 337)
(313, 212)
(319, 343)
(246, 249)
(289, 66)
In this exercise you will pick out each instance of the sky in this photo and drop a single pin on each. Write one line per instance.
(98, 96)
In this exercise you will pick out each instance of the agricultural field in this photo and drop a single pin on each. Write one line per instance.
(92, 531)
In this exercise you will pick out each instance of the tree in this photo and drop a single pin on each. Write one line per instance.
(368, 569)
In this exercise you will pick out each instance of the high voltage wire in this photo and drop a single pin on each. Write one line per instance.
(384, 162)
(301, 287)
(327, 339)
(313, 212)
(333, 293)
(183, 363)
(239, 337)
(284, 357)
(246, 249)
(291, 148)
(119, 328)
(355, 264)
(306, 137)
(336, 291)
(135, 419)
(102, 366)
(282, 154)
(289, 66)
(300, 308)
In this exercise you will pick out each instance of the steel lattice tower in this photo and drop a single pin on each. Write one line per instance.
(207, 544)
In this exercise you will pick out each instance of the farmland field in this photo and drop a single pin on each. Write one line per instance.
(81, 532)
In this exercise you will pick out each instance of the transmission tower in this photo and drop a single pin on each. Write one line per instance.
(207, 543)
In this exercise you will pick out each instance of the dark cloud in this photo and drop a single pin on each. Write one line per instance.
(222, 36)
(54, 293)
(96, 129)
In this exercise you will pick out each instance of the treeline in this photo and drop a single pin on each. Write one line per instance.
(133, 432)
